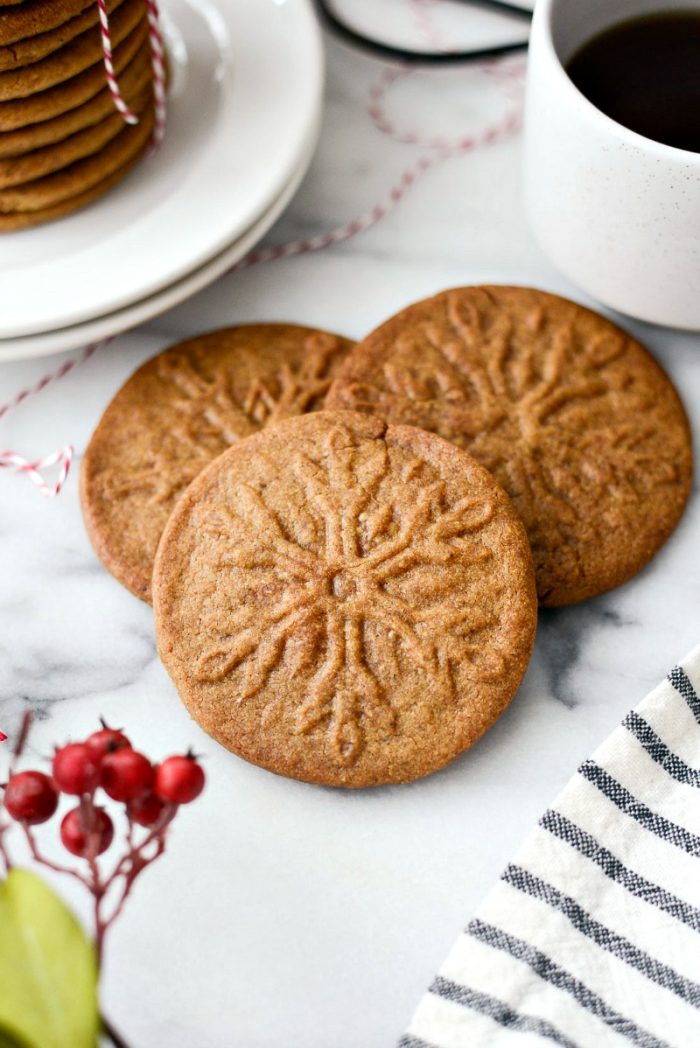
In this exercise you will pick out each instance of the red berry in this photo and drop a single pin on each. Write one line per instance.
(179, 780)
(105, 741)
(74, 769)
(77, 835)
(30, 797)
(126, 774)
(146, 810)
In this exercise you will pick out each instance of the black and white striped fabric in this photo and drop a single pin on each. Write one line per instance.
(592, 936)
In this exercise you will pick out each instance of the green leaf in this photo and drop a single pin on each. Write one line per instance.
(8, 1041)
(48, 969)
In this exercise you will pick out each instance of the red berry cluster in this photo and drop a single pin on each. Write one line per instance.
(105, 760)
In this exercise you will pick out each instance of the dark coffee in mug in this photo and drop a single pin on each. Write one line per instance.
(645, 74)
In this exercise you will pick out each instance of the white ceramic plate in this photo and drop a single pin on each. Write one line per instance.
(248, 79)
(131, 316)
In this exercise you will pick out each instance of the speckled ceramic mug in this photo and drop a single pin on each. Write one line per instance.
(618, 213)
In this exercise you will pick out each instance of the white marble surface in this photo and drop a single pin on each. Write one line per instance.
(284, 914)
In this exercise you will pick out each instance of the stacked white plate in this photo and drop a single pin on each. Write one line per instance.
(243, 120)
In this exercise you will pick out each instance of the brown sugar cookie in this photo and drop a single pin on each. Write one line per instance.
(33, 48)
(45, 105)
(574, 418)
(344, 602)
(77, 178)
(11, 222)
(42, 162)
(132, 81)
(177, 413)
(72, 58)
(32, 17)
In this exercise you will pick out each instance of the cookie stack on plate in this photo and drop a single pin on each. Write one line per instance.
(235, 151)
(62, 141)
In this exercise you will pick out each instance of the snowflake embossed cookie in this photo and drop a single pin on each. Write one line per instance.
(178, 412)
(345, 602)
(572, 415)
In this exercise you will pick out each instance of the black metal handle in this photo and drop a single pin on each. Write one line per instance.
(366, 43)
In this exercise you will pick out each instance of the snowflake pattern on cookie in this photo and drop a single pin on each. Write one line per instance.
(209, 418)
(181, 410)
(572, 416)
(335, 583)
(346, 581)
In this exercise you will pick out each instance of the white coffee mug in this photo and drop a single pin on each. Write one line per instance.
(618, 213)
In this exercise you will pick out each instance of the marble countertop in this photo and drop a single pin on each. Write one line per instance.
(285, 914)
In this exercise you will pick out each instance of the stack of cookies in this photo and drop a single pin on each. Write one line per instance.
(346, 545)
(62, 141)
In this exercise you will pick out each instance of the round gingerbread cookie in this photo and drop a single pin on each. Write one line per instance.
(132, 82)
(41, 194)
(68, 95)
(28, 18)
(177, 413)
(32, 48)
(574, 417)
(40, 163)
(74, 57)
(344, 602)
(14, 221)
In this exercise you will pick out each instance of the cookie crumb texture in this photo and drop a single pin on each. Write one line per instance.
(573, 417)
(344, 602)
(178, 412)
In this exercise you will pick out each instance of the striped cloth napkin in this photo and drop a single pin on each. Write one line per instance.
(590, 939)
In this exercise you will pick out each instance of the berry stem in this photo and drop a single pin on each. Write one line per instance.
(129, 867)
(97, 887)
(21, 739)
(20, 742)
(17, 751)
(43, 861)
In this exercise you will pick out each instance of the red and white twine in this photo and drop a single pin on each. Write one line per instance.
(61, 458)
(422, 10)
(117, 98)
(53, 376)
(157, 65)
(64, 456)
(436, 149)
(155, 38)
